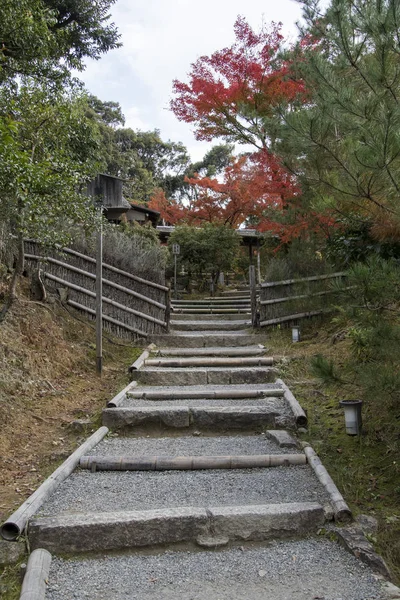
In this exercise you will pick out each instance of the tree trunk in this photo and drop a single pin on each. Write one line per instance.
(18, 270)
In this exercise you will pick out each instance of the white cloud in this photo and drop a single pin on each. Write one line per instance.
(161, 38)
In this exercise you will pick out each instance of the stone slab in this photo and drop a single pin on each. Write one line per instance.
(232, 417)
(203, 417)
(270, 521)
(203, 376)
(204, 340)
(282, 438)
(121, 418)
(206, 325)
(216, 315)
(100, 532)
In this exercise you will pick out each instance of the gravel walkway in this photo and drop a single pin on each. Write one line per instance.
(300, 570)
(189, 446)
(138, 490)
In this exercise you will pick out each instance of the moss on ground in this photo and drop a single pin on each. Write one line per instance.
(365, 468)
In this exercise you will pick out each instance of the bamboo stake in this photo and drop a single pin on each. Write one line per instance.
(37, 572)
(121, 396)
(312, 313)
(300, 415)
(107, 318)
(16, 523)
(189, 463)
(210, 361)
(206, 394)
(82, 290)
(139, 361)
(312, 278)
(341, 510)
(106, 266)
(93, 277)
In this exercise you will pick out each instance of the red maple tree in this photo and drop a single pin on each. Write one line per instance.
(233, 92)
(251, 185)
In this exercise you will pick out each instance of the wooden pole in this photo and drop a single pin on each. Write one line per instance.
(37, 573)
(16, 523)
(175, 282)
(99, 300)
(253, 296)
(189, 463)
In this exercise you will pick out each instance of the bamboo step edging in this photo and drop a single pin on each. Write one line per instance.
(205, 394)
(120, 397)
(220, 351)
(189, 463)
(15, 524)
(36, 576)
(210, 362)
(341, 510)
(109, 319)
(106, 300)
(299, 414)
(92, 276)
(139, 362)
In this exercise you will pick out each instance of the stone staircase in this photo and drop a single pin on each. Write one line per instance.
(200, 491)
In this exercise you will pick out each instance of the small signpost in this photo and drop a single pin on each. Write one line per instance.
(176, 249)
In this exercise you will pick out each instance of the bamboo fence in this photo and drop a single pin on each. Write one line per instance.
(132, 306)
(293, 299)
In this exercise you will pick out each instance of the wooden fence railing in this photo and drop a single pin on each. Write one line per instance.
(132, 306)
(293, 299)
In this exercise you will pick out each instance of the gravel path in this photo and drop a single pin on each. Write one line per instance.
(114, 491)
(300, 570)
(189, 446)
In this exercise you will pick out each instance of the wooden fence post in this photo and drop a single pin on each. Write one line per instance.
(253, 296)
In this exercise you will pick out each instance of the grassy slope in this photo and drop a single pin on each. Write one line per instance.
(365, 468)
(47, 380)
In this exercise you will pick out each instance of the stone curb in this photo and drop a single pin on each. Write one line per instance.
(118, 530)
(204, 376)
(353, 539)
(182, 416)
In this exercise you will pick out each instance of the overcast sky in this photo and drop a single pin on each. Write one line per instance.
(161, 38)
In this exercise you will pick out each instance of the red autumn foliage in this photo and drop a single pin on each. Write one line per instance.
(233, 90)
(251, 185)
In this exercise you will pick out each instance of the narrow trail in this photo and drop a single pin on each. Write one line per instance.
(201, 491)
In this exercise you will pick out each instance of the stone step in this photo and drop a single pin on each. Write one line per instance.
(109, 491)
(314, 567)
(208, 416)
(205, 392)
(258, 350)
(211, 302)
(219, 325)
(210, 361)
(224, 416)
(210, 315)
(204, 376)
(238, 294)
(118, 530)
(205, 339)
